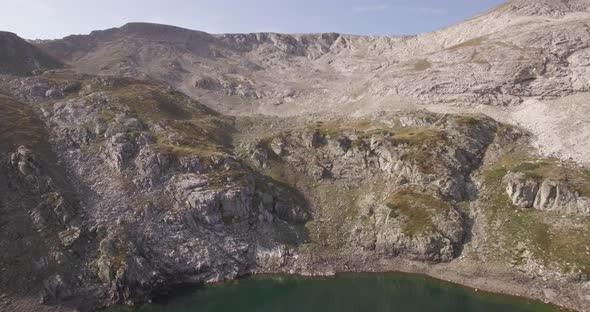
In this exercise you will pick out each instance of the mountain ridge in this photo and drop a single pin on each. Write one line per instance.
(501, 58)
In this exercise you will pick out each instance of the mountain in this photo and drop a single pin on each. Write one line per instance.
(548, 8)
(161, 157)
(520, 50)
(18, 57)
(531, 52)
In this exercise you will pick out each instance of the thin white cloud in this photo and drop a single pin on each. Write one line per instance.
(370, 8)
(430, 11)
(384, 6)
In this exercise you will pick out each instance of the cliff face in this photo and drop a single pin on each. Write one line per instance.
(126, 188)
(160, 198)
(153, 189)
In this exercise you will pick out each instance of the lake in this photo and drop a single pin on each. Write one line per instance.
(375, 292)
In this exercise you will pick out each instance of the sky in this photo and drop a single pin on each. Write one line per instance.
(51, 19)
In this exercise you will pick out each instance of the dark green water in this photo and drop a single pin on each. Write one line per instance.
(345, 292)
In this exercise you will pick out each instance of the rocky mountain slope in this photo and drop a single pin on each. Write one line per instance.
(126, 188)
(18, 57)
(165, 157)
(498, 58)
(523, 50)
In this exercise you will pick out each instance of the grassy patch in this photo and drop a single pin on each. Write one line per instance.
(417, 208)
(420, 141)
(180, 125)
(119, 259)
(335, 129)
(278, 172)
(418, 136)
(582, 183)
(365, 129)
(422, 64)
(468, 120)
(475, 42)
(20, 126)
(564, 248)
(539, 169)
(338, 209)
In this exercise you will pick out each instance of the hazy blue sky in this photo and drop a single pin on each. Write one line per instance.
(57, 18)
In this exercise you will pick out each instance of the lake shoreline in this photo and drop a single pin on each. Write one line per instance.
(469, 274)
(189, 294)
(463, 273)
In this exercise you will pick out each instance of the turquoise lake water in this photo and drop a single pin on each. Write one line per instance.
(378, 292)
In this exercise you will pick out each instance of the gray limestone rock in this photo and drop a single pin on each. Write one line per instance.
(522, 191)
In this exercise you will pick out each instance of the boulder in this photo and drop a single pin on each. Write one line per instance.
(260, 156)
(69, 236)
(522, 191)
(314, 139)
(556, 196)
(278, 146)
(213, 205)
(53, 93)
(55, 290)
(151, 168)
(25, 161)
(545, 198)
(549, 195)
(29, 168)
(119, 151)
(339, 146)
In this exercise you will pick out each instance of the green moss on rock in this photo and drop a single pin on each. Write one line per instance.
(511, 230)
(417, 208)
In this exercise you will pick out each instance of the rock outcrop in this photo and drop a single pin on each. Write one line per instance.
(521, 190)
(159, 194)
(556, 196)
(416, 163)
(548, 195)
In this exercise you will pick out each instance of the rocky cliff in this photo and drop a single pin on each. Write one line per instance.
(133, 188)
(146, 165)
